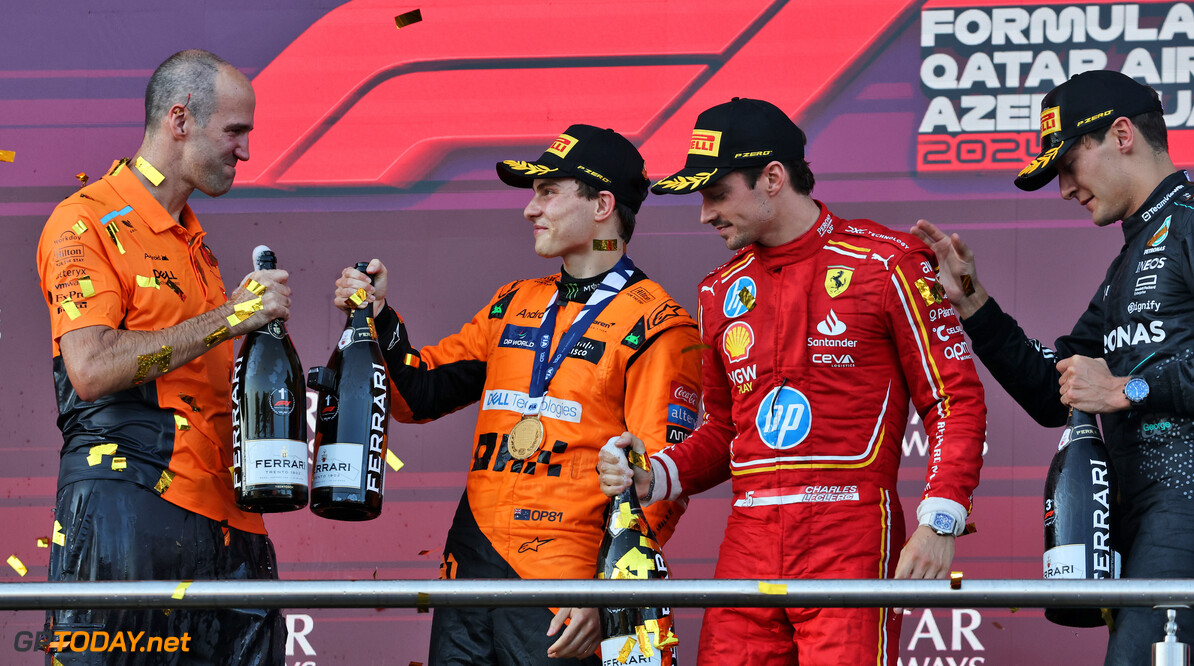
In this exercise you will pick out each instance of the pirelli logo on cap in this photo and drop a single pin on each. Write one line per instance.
(562, 145)
(705, 142)
(1050, 120)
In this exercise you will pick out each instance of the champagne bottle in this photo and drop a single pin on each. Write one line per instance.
(1079, 492)
(353, 414)
(629, 550)
(269, 423)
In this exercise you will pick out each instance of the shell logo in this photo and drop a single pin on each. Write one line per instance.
(737, 341)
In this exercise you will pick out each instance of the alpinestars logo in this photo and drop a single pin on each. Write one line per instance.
(831, 325)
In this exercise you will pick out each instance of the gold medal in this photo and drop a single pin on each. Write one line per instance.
(525, 437)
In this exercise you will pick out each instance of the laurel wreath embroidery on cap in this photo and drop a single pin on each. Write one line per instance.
(686, 182)
(528, 168)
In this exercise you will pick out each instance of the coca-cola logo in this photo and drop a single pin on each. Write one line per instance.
(685, 394)
(281, 401)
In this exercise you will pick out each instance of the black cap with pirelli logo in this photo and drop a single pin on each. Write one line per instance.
(740, 133)
(600, 157)
(1087, 102)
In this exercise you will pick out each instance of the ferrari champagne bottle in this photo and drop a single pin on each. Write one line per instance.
(269, 422)
(351, 421)
(1079, 492)
(629, 550)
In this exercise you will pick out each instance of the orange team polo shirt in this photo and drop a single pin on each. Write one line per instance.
(110, 255)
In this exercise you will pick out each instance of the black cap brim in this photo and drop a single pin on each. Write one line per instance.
(1043, 168)
(517, 173)
(689, 179)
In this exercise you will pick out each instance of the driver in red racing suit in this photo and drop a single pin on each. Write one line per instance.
(817, 333)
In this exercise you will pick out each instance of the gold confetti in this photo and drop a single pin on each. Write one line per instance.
(118, 166)
(151, 174)
(86, 287)
(43, 542)
(79, 227)
(190, 402)
(255, 287)
(181, 590)
(411, 360)
(119, 463)
(16, 563)
(96, 453)
(637, 459)
(244, 310)
(358, 297)
(643, 643)
(668, 641)
(165, 481)
(147, 362)
(115, 239)
(747, 298)
(772, 588)
(372, 328)
(81, 177)
(71, 310)
(148, 282)
(181, 422)
(955, 580)
(393, 461)
(217, 336)
(58, 538)
(407, 18)
(604, 245)
(967, 284)
(11, 155)
(971, 528)
(624, 653)
(423, 602)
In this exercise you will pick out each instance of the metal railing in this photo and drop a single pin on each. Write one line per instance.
(700, 593)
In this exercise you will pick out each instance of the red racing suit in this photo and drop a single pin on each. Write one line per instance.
(814, 349)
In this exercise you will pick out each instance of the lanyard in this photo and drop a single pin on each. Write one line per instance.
(544, 369)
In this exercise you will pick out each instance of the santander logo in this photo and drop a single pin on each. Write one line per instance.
(685, 394)
(831, 325)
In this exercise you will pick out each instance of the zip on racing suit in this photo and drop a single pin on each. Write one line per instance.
(1141, 322)
(814, 349)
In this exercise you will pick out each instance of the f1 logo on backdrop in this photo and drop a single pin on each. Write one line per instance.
(355, 102)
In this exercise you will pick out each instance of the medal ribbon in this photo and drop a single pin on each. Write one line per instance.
(544, 369)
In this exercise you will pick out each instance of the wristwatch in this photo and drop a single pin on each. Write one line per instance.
(942, 523)
(1136, 390)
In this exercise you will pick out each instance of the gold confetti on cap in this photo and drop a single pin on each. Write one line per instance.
(181, 590)
(408, 18)
(16, 563)
(43, 542)
(79, 227)
(165, 481)
(151, 174)
(58, 537)
(393, 461)
(86, 287)
(772, 588)
(96, 453)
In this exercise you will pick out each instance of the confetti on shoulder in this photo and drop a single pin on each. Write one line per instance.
(408, 18)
